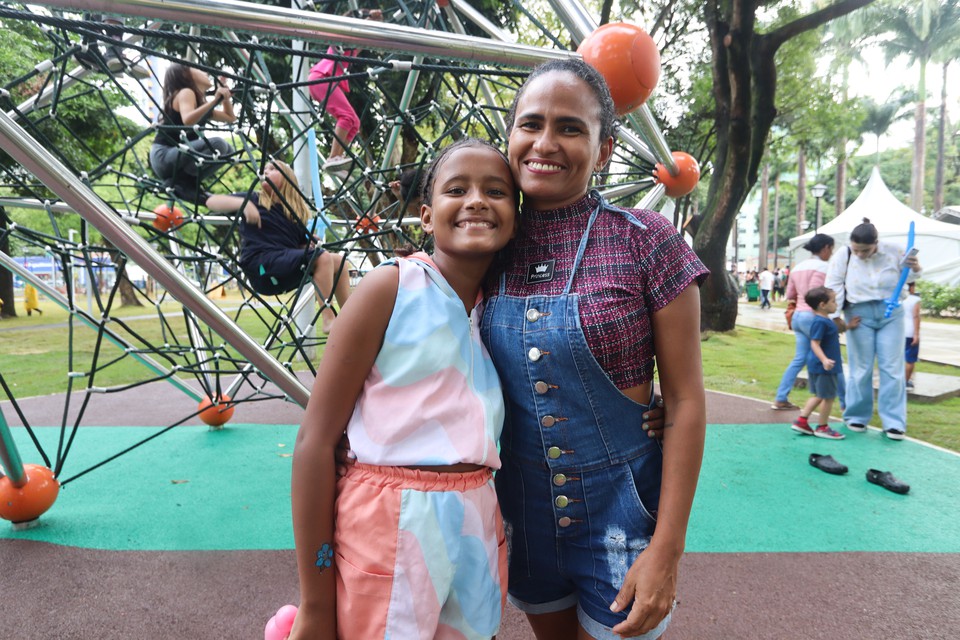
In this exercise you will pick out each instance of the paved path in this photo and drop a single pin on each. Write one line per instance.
(939, 341)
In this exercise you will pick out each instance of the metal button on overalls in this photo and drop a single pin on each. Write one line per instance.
(561, 501)
(559, 480)
(533, 315)
(541, 387)
(564, 521)
(548, 421)
(554, 452)
(534, 354)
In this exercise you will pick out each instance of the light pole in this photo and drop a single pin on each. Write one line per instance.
(818, 190)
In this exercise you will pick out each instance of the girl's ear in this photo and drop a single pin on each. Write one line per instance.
(426, 218)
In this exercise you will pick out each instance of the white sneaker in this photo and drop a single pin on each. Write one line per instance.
(336, 162)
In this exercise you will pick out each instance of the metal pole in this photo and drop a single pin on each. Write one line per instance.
(324, 27)
(9, 455)
(816, 225)
(34, 158)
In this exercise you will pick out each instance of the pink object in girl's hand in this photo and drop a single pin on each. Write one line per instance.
(279, 626)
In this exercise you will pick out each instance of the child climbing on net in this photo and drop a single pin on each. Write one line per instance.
(332, 96)
(276, 247)
(406, 376)
(185, 105)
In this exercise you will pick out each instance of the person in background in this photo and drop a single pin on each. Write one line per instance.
(911, 328)
(766, 285)
(823, 364)
(31, 302)
(807, 275)
(277, 248)
(332, 96)
(185, 105)
(864, 275)
(778, 285)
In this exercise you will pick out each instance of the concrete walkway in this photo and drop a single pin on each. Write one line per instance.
(939, 341)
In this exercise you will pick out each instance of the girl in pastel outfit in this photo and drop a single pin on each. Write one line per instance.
(276, 248)
(409, 542)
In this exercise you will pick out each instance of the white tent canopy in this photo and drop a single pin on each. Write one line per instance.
(938, 242)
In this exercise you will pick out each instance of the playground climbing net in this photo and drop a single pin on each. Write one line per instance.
(97, 117)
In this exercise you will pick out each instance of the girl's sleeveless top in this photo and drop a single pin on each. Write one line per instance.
(433, 396)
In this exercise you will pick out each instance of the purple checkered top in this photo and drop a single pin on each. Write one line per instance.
(627, 274)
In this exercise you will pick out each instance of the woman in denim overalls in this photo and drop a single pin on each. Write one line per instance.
(580, 486)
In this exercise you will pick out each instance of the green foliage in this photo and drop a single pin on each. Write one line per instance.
(938, 299)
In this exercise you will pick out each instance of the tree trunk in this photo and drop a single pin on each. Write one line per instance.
(744, 90)
(128, 293)
(841, 178)
(9, 309)
(919, 142)
(776, 220)
(764, 216)
(801, 191)
(941, 144)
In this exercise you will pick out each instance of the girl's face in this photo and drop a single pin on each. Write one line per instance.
(271, 174)
(826, 253)
(201, 79)
(473, 212)
(555, 143)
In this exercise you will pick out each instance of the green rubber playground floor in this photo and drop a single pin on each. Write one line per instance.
(196, 489)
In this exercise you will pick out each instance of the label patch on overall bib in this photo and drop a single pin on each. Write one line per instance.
(540, 271)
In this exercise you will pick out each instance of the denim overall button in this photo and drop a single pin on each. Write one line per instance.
(548, 421)
(533, 315)
(534, 354)
(564, 521)
(554, 452)
(559, 480)
(561, 501)
(541, 387)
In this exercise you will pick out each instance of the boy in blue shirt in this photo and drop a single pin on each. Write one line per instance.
(824, 364)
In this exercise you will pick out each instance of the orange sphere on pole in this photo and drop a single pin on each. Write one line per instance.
(167, 217)
(688, 175)
(216, 415)
(30, 501)
(627, 58)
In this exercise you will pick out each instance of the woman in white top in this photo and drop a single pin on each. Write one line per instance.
(863, 277)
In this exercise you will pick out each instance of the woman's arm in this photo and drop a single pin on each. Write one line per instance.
(349, 356)
(231, 204)
(651, 582)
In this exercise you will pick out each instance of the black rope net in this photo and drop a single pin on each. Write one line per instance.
(92, 102)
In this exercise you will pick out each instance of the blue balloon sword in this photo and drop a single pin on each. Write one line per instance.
(894, 300)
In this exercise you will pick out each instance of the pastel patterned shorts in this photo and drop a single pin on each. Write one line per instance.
(419, 554)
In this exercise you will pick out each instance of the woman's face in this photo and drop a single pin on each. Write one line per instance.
(201, 79)
(555, 143)
(863, 251)
(826, 253)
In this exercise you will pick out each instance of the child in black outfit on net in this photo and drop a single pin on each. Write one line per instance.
(824, 364)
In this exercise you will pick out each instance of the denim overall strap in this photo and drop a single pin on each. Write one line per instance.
(582, 247)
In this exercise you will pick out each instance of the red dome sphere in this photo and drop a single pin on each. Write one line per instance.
(627, 58)
(688, 175)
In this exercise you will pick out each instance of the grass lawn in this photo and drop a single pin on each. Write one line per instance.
(750, 362)
(35, 361)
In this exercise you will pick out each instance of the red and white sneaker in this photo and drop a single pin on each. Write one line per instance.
(824, 431)
(800, 425)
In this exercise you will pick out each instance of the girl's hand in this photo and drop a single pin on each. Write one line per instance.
(653, 419)
(854, 322)
(651, 585)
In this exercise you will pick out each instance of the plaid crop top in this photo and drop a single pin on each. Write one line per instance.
(630, 270)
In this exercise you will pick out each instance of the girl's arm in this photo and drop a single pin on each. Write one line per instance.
(651, 582)
(349, 356)
(191, 113)
(231, 204)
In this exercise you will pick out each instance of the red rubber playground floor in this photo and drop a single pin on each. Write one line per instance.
(189, 537)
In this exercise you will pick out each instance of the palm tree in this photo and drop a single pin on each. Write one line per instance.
(880, 117)
(918, 31)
